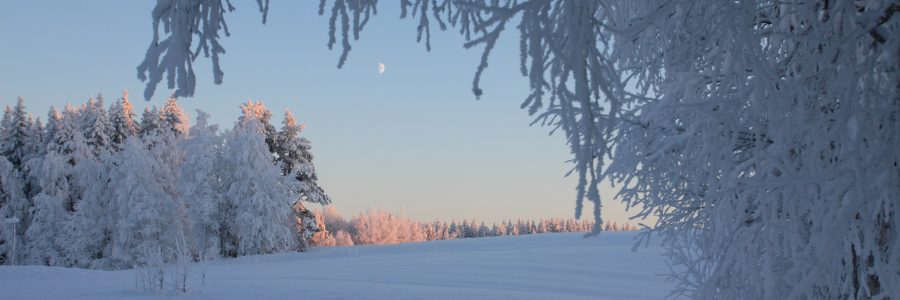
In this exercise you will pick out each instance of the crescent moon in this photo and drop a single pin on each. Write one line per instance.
(380, 68)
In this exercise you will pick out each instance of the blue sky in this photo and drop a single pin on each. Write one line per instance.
(413, 138)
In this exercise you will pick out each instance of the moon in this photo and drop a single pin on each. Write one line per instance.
(380, 68)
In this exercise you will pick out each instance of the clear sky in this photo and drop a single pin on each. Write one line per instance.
(413, 138)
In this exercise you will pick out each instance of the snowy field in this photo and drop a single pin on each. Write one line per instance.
(547, 266)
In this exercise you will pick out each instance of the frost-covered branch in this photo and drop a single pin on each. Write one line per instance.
(178, 26)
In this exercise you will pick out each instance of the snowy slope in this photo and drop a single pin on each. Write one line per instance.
(548, 266)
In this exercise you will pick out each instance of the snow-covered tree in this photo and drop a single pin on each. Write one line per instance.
(765, 116)
(150, 224)
(96, 127)
(163, 141)
(378, 226)
(151, 201)
(174, 118)
(91, 224)
(44, 236)
(54, 122)
(295, 158)
(333, 219)
(150, 122)
(94, 219)
(17, 137)
(18, 142)
(257, 110)
(13, 204)
(200, 186)
(68, 140)
(322, 236)
(122, 120)
(259, 193)
(343, 238)
(34, 145)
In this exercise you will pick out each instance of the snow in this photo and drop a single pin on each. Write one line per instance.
(545, 266)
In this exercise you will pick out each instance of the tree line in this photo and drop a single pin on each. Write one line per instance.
(379, 227)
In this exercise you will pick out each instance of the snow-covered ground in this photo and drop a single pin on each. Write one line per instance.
(546, 266)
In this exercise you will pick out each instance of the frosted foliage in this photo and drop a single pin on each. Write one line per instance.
(342, 238)
(259, 193)
(122, 119)
(174, 117)
(12, 204)
(307, 226)
(68, 141)
(200, 186)
(91, 223)
(16, 134)
(295, 155)
(150, 122)
(96, 126)
(149, 219)
(333, 219)
(321, 237)
(44, 235)
(769, 153)
(155, 201)
(378, 226)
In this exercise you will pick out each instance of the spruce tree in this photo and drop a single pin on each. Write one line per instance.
(122, 120)
(173, 118)
(16, 134)
(97, 127)
(150, 122)
(295, 158)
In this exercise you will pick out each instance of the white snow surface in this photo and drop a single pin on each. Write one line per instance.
(545, 266)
